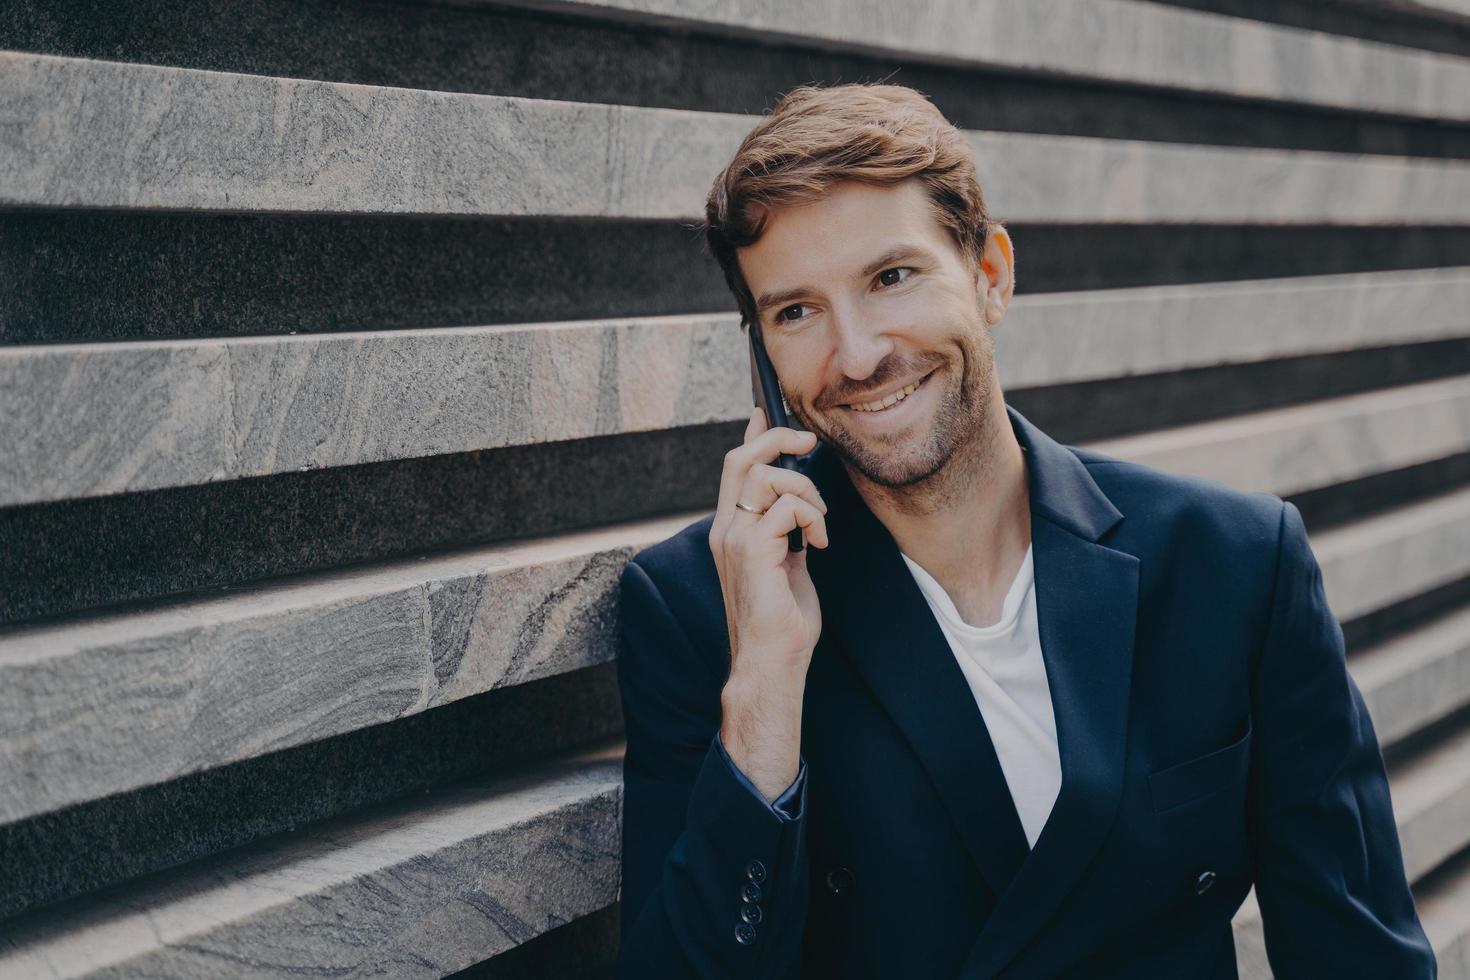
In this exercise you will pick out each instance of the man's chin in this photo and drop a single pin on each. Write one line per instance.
(891, 466)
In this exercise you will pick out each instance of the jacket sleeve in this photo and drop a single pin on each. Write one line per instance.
(792, 801)
(1330, 879)
(715, 879)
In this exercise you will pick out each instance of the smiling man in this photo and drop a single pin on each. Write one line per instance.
(1022, 709)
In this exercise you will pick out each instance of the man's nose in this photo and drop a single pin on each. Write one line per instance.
(861, 346)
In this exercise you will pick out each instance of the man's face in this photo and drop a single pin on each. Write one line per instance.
(863, 294)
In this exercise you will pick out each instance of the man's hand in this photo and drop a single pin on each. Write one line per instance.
(771, 607)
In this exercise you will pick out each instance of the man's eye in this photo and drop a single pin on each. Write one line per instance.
(889, 277)
(781, 317)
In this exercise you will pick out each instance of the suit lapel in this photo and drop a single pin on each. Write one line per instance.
(1086, 601)
(1086, 597)
(1086, 605)
(893, 641)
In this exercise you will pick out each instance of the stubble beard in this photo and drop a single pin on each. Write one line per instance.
(956, 429)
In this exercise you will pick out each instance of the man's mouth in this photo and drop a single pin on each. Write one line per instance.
(884, 404)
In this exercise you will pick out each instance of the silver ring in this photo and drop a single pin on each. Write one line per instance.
(750, 510)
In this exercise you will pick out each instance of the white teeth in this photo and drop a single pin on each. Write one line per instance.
(892, 399)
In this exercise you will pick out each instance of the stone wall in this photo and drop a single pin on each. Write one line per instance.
(348, 348)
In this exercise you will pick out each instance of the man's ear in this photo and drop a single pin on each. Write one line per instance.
(997, 277)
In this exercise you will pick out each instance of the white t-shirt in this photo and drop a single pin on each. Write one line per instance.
(1007, 675)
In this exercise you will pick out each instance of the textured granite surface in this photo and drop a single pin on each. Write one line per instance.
(69, 276)
(447, 47)
(106, 134)
(1434, 25)
(149, 415)
(73, 555)
(93, 845)
(113, 704)
(1113, 40)
(1289, 450)
(1431, 802)
(1444, 910)
(1352, 500)
(100, 133)
(1418, 678)
(274, 746)
(203, 684)
(141, 416)
(1030, 177)
(1373, 563)
(417, 889)
(103, 275)
(583, 949)
(1061, 338)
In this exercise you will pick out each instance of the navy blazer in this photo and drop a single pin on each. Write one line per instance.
(1210, 738)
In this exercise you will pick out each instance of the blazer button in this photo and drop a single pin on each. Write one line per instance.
(750, 892)
(751, 914)
(744, 934)
(1204, 882)
(755, 871)
(840, 880)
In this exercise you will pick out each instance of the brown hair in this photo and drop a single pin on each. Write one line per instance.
(816, 136)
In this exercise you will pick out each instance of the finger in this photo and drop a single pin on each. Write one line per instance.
(757, 423)
(792, 512)
(764, 485)
(763, 448)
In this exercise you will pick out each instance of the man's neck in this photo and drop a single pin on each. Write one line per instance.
(970, 524)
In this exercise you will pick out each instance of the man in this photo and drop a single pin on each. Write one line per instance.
(1021, 710)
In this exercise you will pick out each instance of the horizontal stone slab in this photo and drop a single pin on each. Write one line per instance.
(1444, 911)
(87, 133)
(1431, 802)
(1458, 9)
(1305, 447)
(418, 889)
(1389, 557)
(106, 705)
(1058, 338)
(202, 684)
(154, 414)
(1414, 680)
(1109, 40)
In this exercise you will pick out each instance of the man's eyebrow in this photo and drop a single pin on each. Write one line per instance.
(895, 254)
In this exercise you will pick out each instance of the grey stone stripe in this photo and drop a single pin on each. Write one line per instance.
(108, 705)
(84, 133)
(1290, 450)
(202, 684)
(1455, 8)
(1380, 560)
(1415, 680)
(1062, 338)
(1431, 801)
(1110, 40)
(419, 889)
(94, 419)
(1444, 910)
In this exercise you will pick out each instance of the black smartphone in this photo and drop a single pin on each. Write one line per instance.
(767, 393)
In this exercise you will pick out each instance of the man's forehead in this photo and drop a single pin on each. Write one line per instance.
(852, 208)
(841, 234)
